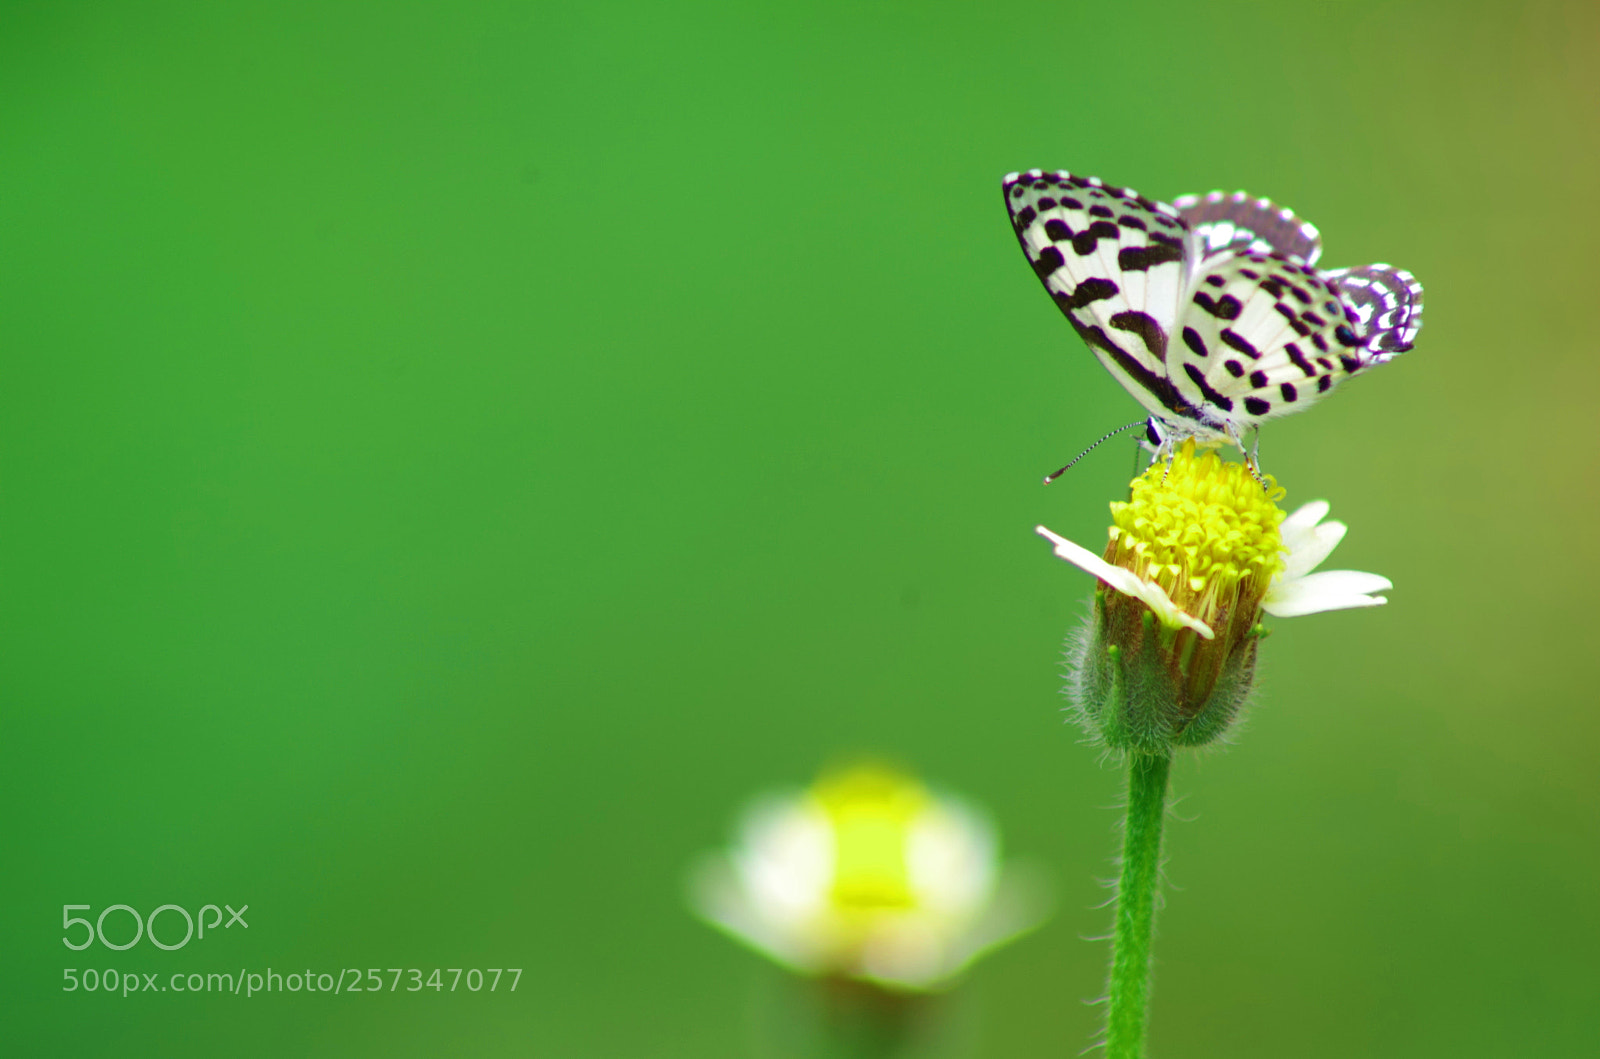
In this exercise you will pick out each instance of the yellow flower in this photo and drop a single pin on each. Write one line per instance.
(867, 875)
(1196, 555)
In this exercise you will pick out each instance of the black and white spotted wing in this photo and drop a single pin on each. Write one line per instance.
(1114, 261)
(1265, 335)
(1387, 302)
(1224, 223)
(1209, 312)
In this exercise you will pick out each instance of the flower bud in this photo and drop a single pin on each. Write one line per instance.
(1169, 654)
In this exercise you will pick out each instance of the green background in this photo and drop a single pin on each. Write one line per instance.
(454, 455)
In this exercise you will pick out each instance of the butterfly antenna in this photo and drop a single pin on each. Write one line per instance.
(1052, 477)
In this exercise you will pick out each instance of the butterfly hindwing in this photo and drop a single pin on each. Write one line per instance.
(1387, 303)
(1262, 336)
(1115, 262)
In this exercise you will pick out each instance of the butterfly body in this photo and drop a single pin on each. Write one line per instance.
(1209, 311)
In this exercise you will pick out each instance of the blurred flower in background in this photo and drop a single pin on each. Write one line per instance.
(867, 876)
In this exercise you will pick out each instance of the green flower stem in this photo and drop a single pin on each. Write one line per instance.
(1136, 897)
(859, 1020)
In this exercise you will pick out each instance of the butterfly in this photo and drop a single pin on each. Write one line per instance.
(1211, 311)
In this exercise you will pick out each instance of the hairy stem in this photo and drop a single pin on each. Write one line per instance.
(1136, 896)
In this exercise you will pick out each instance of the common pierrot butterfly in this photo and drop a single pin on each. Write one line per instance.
(1210, 311)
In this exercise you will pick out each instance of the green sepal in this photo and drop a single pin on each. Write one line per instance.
(1128, 681)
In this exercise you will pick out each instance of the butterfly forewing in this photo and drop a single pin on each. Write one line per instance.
(1114, 261)
(1236, 223)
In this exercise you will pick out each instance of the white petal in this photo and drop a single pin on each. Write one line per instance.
(1020, 902)
(951, 856)
(1127, 582)
(1305, 516)
(785, 860)
(906, 950)
(1310, 547)
(925, 950)
(1347, 581)
(718, 891)
(1089, 562)
(1329, 590)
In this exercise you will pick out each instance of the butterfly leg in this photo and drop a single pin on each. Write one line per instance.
(1158, 441)
(1252, 458)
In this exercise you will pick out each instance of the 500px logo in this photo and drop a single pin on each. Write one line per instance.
(146, 926)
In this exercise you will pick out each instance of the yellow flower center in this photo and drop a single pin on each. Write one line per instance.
(1203, 529)
(871, 809)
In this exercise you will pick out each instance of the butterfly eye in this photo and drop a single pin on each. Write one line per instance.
(1153, 432)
